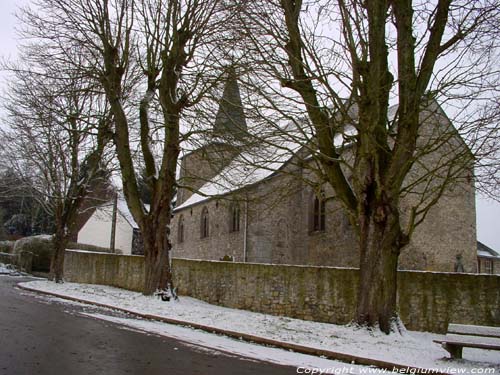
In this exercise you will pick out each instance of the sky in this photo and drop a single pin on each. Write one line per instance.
(8, 40)
(487, 210)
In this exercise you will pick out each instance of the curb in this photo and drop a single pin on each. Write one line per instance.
(342, 357)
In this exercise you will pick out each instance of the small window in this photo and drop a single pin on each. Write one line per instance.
(204, 229)
(318, 213)
(234, 218)
(180, 230)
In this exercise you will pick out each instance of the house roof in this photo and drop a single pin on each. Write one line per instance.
(122, 209)
(485, 251)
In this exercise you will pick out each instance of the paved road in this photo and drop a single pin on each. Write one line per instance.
(38, 336)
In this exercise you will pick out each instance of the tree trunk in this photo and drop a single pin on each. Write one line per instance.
(380, 243)
(158, 275)
(60, 240)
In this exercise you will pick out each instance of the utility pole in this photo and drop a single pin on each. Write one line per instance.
(113, 224)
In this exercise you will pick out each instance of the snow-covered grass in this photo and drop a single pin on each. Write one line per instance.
(409, 348)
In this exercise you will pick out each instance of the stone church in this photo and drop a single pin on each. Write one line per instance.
(265, 206)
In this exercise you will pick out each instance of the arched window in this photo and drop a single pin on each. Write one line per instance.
(234, 217)
(204, 232)
(318, 213)
(180, 230)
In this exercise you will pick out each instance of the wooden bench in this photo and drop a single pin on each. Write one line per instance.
(461, 336)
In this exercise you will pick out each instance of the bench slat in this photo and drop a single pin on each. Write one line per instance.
(483, 331)
(462, 344)
(473, 341)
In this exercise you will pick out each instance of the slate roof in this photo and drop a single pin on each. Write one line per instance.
(485, 251)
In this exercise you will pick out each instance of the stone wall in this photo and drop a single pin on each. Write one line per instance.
(428, 301)
(311, 293)
(122, 271)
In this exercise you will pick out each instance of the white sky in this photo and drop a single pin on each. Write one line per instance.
(8, 40)
(487, 211)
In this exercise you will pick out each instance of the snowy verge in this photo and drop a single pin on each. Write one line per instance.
(10, 270)
(415, 349)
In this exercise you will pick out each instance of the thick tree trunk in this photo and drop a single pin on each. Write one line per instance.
(381, 240)
(158, 275)
(59, 240)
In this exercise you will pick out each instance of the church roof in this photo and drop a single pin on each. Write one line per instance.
(248, 168)
(230, 119)
(269, 156)
(257, 163)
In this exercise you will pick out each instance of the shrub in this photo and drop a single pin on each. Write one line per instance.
(6, 246)
(42, 249)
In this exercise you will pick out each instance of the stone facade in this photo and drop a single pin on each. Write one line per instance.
(428, 301)
(276, 229)
(277, 219)
(201, 165)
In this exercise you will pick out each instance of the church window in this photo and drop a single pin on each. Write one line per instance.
(318, 213)
(180, 230)
(204, 228)
(234, 216)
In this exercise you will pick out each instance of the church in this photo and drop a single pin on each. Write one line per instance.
(263, 203)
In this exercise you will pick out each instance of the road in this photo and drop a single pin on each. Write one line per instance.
(40, 336)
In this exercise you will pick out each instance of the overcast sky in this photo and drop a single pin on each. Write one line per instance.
(8, 40)
(487, 211)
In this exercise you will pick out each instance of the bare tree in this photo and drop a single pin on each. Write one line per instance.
(154, 60)
(343, 63)
(58, 129)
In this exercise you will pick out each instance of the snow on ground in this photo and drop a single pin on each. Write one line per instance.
(8, 269)
(409, 349)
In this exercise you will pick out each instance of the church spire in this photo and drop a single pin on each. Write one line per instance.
(230, 120)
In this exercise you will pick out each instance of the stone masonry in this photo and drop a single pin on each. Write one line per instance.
(276, 212)
(428, 301)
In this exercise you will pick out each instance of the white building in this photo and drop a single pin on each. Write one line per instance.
(97, 230)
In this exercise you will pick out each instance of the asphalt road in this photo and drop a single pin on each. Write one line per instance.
(40, 336)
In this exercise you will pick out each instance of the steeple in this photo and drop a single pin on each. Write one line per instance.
(230, 120)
